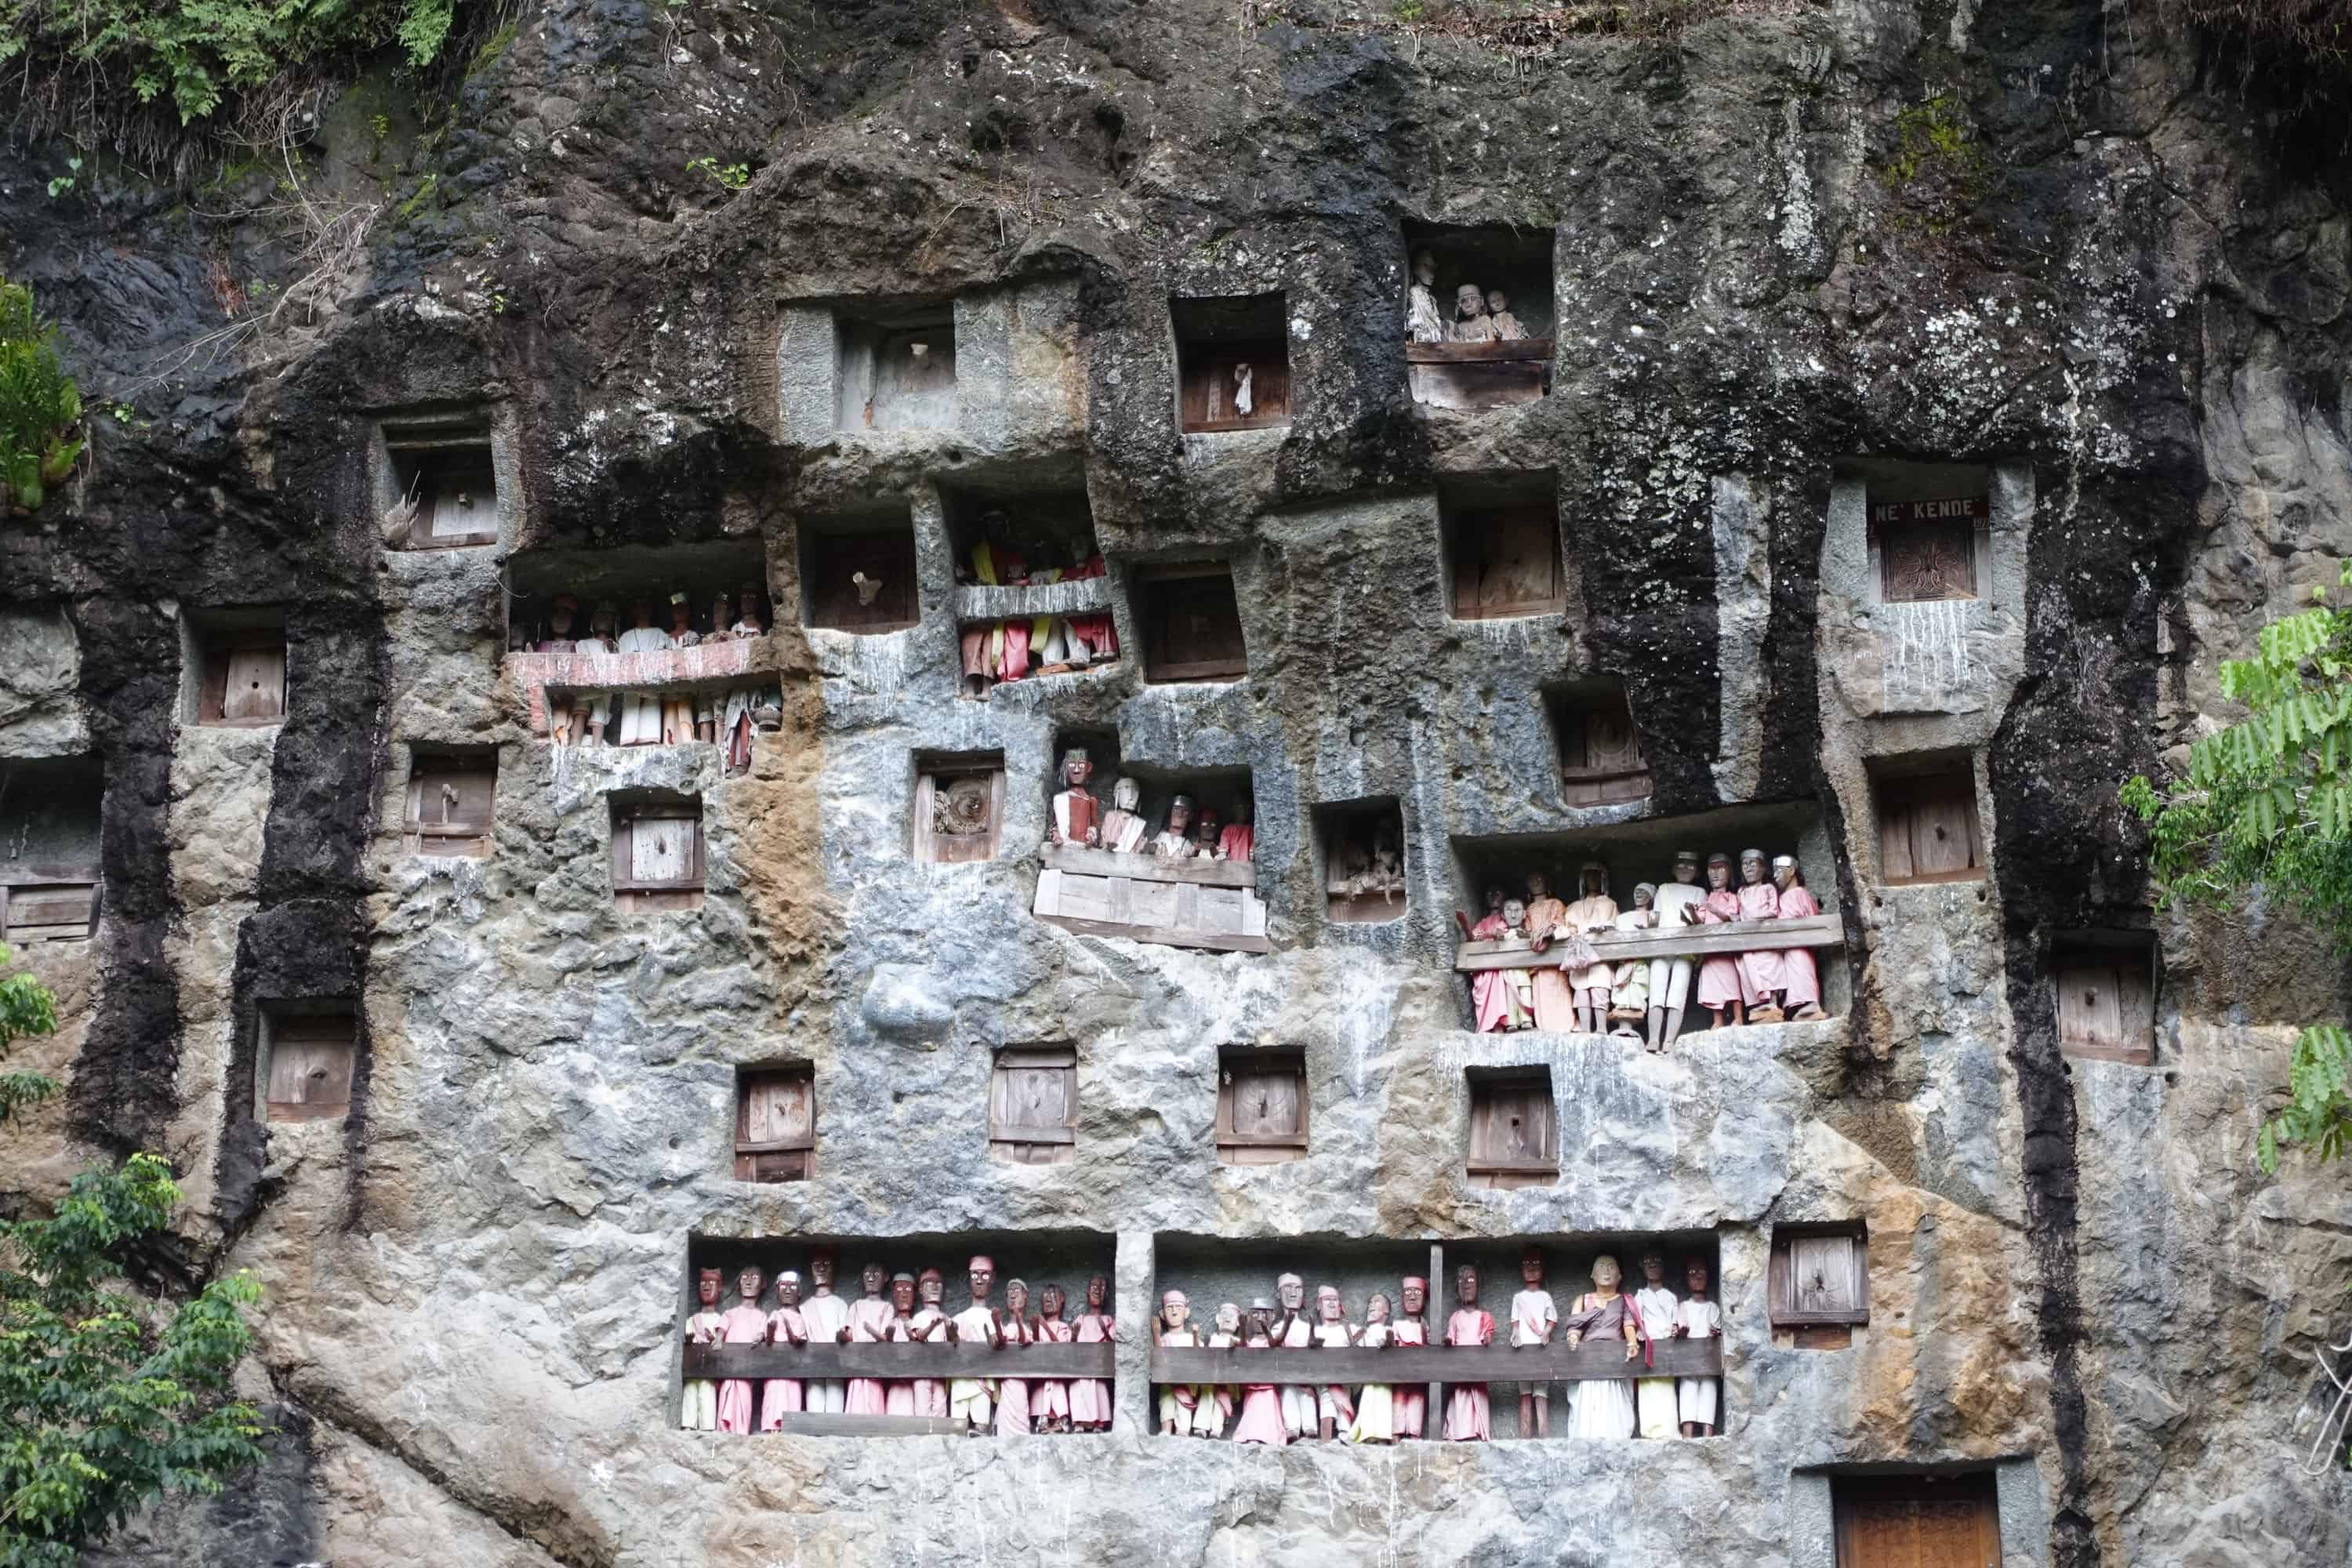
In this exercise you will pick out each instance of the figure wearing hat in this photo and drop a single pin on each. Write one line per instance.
(1718, 977)
(1076, 818)
(1759, 968)
(640, 711)
(1670, 978)
(1175, 840)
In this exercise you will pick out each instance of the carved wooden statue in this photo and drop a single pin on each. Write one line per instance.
(1533, 1318)
(1670, 978)
(1123, 825)
(641, 712)
(1604, 1407)
(972, 1400)
(1800, 977)
(1239, 840)
(826, 1315)
(698, 1410)
(1412, 1329)
(1210, 1415)
(1090, 1406)
(1077, 816)
(1759, 968)
(1465, 1403)
(779, 1395)
(1180, 1402)
(1175, 840)
(1423, 323)
(1698, 1319)
(1719, 989)
(1594, 910)
(1013, 1418)
(744, 1324)
(1654, 1305)
(1051, 1410)
(1471, 322)
(959, 808)
(1628, 996)
(1293, 1331)
(1504, 998)
(898, 1393)
(868, 1324)
(1260, 1418)
(1333, 1408)
(1375, 1419)
(930, 1324)
(1555, 1005)
(1498, 312)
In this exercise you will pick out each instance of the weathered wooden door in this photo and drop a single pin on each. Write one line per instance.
(310, 1066)
(776, 1126)
(1033, 1105)
(1918, 1522)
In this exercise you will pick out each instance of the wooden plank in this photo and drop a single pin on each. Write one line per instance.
(1596, 1360)
(1474, 354)
(18, 873)
(1147, 867)
(805, 1424)
(256, 683)
(1165, 936)
(931, 1359)
(1619, 946)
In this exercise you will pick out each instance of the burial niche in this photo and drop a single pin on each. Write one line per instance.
(1929, 530)
(1191, 622)
(1033, 594)
(959, 811)
(1364, 860)
(239, 657)
(1477, 315)
(1033, 1105)
(1926, 809)
(1514, 1128)
(1600, 761)
(1233, 362)
(1501, 539)
(857, 572)
(896, 367)
(2105, 985)
(1261, 1105)
(451, 797)
(975, 1332)
(437, 483)
(1916, 1520)
(1817, 1284)
(657, 857)
(49, 850)
(775, 1122)
(307, 1058)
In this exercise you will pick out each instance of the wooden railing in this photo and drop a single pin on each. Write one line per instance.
(901, 1361)
(1596, 1360)
(1665, 941)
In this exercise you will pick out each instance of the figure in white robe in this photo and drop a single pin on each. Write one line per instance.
(1654, 1397)
(1123, 825)
(1424, 322)
(641, 714)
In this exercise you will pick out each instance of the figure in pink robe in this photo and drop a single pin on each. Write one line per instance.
(1465, 1403)
(1012, 1393)
(1260, 1418)
(786, 1327)
(1098, 633)
(1413, 1329)
(870, 1324)
(1090, 1405)
(1555, 1005)
(1049, 1406)
(1239, 839)
(1719, 988)
(743, 1324)
(1501, 999)
(898, 1393)
(1800, 977)
(1759, 968)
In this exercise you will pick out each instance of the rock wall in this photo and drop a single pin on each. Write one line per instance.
(2122, 299)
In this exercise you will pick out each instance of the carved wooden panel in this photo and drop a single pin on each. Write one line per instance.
(244, 677)
(1180, 903)
(1192, 626)
(1817, 1276)
(775, 1125)
(450, 803)
(1918, 1522)
(1211, 390)
(1514, 1131)
(959, 814)
(1928, 828)
(1033, 1105)
(310, 1066)
(1260, 1107)
(2106, 1003)
(886, 602)
(1506, 563)
(1927, 549)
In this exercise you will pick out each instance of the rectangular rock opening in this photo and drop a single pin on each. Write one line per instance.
(50, 828)
(1906, 1520)
(1514, 1138)
(1190, 623)
(657, 851)
(1499, 535)
(857, 571)
(1233, 362)
(1155, 854)
(451, 801)
(1643, 964)
(1817, 1284)
(1034, 530)
(308, 1058)
(1600, 760)
(1479, 314)
(775, 1121)
(898, 1376)
(438, 471)
(1033, 1105)
(1929, 528)
(237, 659)
(2103, 985)
(1928, 825)
(557, 598)
(1262, 1105)
(958, 810)
(895, 365)
(1361, 860)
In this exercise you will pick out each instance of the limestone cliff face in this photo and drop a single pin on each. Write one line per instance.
(2121, 303)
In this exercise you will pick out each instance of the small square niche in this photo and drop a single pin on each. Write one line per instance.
(1514, 1128)
(49, 850)
(1191, 622)
(443, 464)
(775, 1122)
(959, 812)
(1817, 1283)
(239, 660)
(1928, 827)
(1600, 760)
(1004, 538)
(895, 366)
(451, 796)
(1233, 362)
(1033, 1105)
(1364, 860)
(1261, 1105)
(305, 1063)
(2105, 985)
(1502, 548)
(657, 857)
(1499, 350)
(1930, 531)
(857, 573)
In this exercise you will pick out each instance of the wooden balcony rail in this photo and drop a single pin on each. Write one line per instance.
(1667, 941)
(928, 1359)
(1593, 1360)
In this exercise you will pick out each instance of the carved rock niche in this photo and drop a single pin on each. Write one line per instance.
(657, 854)
(1233, 362)
(438, 469)
(450, 801)
(775, 1122)
(1364, 860)
(1262, 1105)
(305, 1062)
(49, 850)
(1514, 1128)
(1501, 538)
(857, 572)
(2104, 986)
(1916, 1519)
(1600, 761)
(238, 659)
(1817, 1285)
(959, 809)
(1191, 622)
(895, 366)
(1033, 1105)
(1474, 368)
(1928, 825)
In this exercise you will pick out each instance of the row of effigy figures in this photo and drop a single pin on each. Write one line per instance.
(1480, 316)
(898, 1308)
(1585, 993)
(1378, 1413)
(648, 718)
(1077, 819)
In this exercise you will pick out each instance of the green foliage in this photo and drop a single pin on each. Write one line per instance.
(730, 176)
(103, 1404)
(2267, 802)
(193, 53)
(1937, 167)
(68, 181)
(40, 408)
(1411, 11)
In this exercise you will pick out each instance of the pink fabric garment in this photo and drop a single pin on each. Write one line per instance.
(899, 1400)
(1465, 1403)
(1410, 1400)
(1012, 1393)
(738, 744)
(1718, 976)
(869, 1324)
(1261, 1419)
(1799, 972)
(1050, 1400)
(1090, 1397)
(1237, 842)
(779, 1394)
(1489, 996)
(740, 1325)
(1016, 651)
(1555, 1003)
(931, 1397)
(1759, 968)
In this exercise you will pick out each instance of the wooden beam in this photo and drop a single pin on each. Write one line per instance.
(1147, 867)
(1476, 354)
(1166, 936)
(804, 1423)
(931, 1359)
(1680, 941)
(1593, 1361)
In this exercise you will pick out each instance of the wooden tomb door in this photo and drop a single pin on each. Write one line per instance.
(1260, 1107)
(657, 857)
(1927, 829)
(462, 507)
(310, 1066)
(450, 802)
(2106, 1003)
(776, 1126)
(1918, 1522)
(1033, 1105)
(244, 678)
(1194, 627)
(1514, 1132)
(1508, 564)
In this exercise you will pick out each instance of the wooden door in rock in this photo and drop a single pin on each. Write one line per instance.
(1928, 828)
(1514, 1130)
(309, 1071)
(244, 678)
(1506, 563)
(1918, 1522)
(1033, 1105)
(1260, 1107)
(775, 1125)
(657, 856)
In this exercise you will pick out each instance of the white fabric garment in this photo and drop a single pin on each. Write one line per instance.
(640, 711)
